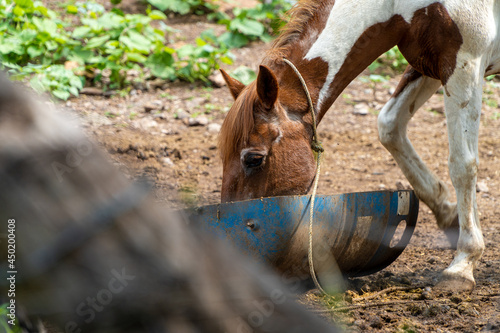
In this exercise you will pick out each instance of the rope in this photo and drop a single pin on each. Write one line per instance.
(318, 148)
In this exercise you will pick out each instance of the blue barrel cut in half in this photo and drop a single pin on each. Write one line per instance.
(365, 231)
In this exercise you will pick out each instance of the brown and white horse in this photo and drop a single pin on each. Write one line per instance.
(266, 137)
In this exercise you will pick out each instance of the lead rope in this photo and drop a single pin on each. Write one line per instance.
(318, 149)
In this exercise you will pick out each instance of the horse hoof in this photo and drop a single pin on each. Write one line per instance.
(452, 232)
(453, 283)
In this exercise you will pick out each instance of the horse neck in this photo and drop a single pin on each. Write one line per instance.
(335, 47)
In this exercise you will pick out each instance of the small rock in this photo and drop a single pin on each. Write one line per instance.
(145, 124)
(432, 260)
(133, 72)
(360, 109)
(382, 186)
(214, 128)
(181, 114)
(392, 90)
(482, 187)
(167, 161)
(148, 107)
(195, 103)
(141, 155)
(176, 153)
(98, 119)
(376, 322)
(426, 294)
(198, 121)
(432, 311)
(217, 79)
(163, 116)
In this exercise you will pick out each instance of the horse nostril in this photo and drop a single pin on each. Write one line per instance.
(252, 225)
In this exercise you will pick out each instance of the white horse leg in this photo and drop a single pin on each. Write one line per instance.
(413, 91)
(463, 110)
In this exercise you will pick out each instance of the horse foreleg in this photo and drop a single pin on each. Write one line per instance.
(463, 109)
(413, 91)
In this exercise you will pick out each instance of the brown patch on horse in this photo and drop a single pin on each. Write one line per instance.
(432, 42)
(238, 124)
(376, 40)
(314, 72)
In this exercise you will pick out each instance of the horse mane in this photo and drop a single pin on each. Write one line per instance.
(298, 18)
(238, 124)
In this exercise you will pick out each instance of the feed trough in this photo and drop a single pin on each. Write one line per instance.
(365, 231)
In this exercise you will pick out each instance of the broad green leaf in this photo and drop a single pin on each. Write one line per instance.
(81, 32)
(61, 94)
(233, 40)
(185, 51)
(136, 42)
(76, 82)
(34, 51)
(244, 74)
(110, 21)
(226, 60)
(24, 3)
(72, 9)
(160, 4)
(10, 46)
(18, 11)
(247, 26)
(80, 55)
(200, 42)
(157, 15)
(97, 42)
(161, 65)
(51, 45)
(27, 36)
(74, 91)
(136, 57)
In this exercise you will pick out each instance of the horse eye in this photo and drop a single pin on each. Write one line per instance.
(253, 160)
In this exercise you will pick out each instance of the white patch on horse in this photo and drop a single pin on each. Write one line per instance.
(348, 20)
(280, 135)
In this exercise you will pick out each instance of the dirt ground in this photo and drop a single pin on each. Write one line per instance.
(169, 136)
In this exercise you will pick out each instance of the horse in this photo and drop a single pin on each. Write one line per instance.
(265, 140)
(89, 251)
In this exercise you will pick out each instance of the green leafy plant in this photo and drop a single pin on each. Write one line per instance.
(102, 49)
(244, 74)
(184, 7)
(248, 24)
(391, 59)
(198, 62)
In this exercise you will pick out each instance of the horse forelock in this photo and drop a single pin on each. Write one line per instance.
(238, 124)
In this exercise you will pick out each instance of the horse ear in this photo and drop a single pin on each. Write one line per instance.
(234, 85)
(267, 87)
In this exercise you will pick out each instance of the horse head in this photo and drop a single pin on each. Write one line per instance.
(265, 140)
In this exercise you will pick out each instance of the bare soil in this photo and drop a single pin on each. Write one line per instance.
(183, 165)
